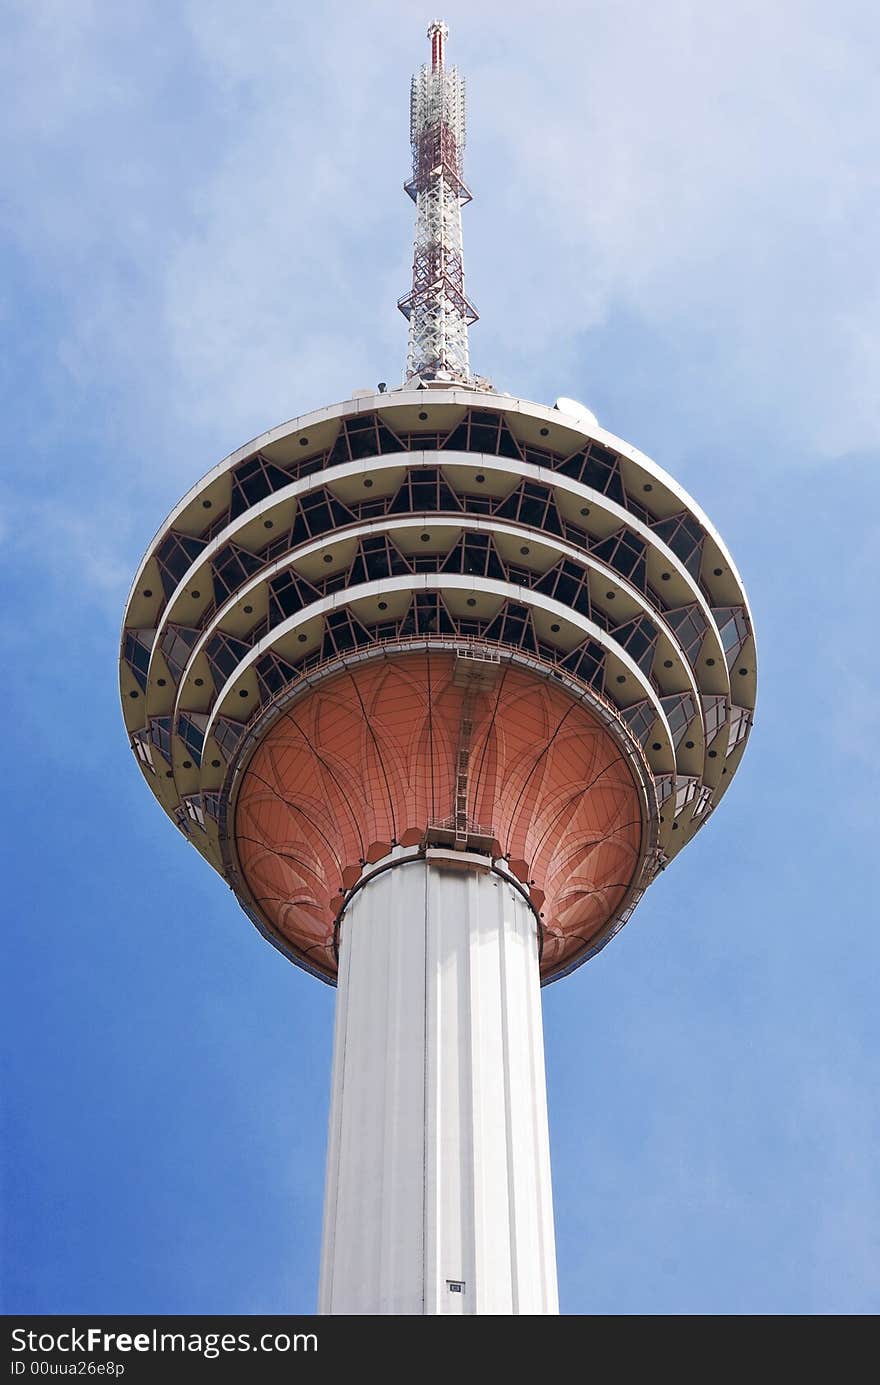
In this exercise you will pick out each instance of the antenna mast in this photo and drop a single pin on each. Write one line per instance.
(436, 308)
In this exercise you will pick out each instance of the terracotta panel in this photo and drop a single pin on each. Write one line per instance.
(369, 758)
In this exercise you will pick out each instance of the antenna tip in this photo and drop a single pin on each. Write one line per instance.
(438, 34)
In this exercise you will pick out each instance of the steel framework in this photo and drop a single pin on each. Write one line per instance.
(437, 307)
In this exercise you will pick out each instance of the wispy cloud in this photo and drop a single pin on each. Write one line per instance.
(228, 236)
(702, 167)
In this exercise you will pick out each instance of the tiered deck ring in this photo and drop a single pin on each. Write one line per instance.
(401, 533)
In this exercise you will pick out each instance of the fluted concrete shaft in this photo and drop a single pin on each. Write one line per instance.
(438, 1196)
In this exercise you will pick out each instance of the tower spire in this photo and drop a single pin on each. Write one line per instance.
(436, 307)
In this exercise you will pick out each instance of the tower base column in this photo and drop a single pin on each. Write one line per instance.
(438, 1196)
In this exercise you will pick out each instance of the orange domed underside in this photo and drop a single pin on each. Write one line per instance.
(368, 759)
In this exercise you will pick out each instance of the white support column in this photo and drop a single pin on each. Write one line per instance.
(438, 1192)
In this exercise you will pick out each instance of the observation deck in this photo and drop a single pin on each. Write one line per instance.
(438, 619)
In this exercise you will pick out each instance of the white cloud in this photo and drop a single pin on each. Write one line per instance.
(212, 202)
(704, 168)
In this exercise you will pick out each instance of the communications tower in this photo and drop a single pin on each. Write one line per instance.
(438, 679)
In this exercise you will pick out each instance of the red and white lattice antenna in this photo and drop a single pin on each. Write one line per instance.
(438, 311)
(438, 34)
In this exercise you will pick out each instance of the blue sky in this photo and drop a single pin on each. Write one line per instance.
(203, 233)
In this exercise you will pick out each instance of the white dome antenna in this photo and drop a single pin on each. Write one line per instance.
(577, 410)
